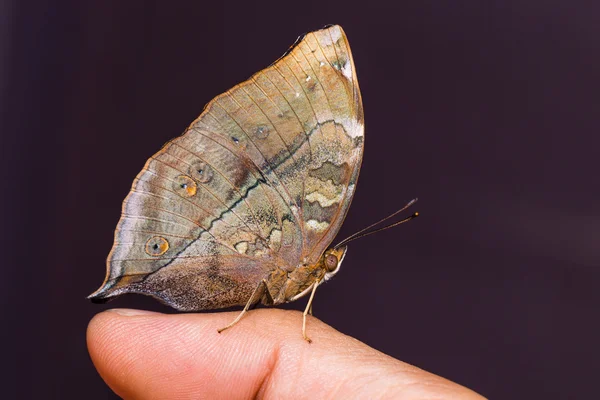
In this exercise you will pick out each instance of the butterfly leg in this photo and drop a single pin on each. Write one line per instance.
(307, 310)
(262, 286)
(268, 301)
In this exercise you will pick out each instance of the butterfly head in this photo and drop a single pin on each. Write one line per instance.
(332, 260)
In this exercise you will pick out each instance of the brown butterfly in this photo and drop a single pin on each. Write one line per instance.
(243, 206)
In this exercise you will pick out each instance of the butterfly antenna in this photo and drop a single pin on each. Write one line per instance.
(365, 231)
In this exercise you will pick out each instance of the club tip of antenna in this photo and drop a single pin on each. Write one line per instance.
(415, 215)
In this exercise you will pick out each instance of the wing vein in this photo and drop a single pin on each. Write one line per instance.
(244, 160)
(205, 187)
(243, 198)
(289, 197)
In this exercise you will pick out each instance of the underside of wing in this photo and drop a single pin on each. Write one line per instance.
(300, 123)
(261, 180)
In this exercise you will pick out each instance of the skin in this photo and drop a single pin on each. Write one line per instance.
(146, 355)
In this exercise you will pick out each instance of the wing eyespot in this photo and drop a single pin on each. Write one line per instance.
(185, 186)
(157, 246)
(262, 132)
(201, 171)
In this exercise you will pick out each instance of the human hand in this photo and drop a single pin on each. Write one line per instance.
(145, 355)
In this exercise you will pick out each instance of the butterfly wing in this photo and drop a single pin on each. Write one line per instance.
(262, 179)
(336, 134)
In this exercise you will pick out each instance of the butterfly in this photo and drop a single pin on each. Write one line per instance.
(243, 207)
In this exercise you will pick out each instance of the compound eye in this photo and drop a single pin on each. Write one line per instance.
(331, 262)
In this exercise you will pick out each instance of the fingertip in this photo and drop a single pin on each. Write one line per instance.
(98, 334)
(103, 333)
(178, 355)
(109, 324)
(143, 355)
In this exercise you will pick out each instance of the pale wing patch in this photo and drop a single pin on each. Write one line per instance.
(347, 70)
(242, 247)
(326, 193)
(275, 238)
(317, 226)
(323, 201)
(336, 33)
(354, 128)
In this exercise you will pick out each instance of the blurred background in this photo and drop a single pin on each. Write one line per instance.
(488, 111)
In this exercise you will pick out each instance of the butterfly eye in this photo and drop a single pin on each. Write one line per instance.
(331, 262)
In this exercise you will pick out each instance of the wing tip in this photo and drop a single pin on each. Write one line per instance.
(332, 28)
(327, 28)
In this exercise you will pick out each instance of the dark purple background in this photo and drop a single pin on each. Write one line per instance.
(488, 111)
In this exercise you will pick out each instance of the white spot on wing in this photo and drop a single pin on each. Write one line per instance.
(323, 201)
(347, 70)
(242, 247)
(353, 127)
(336, 33)
(275, 236)
(316, 225)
